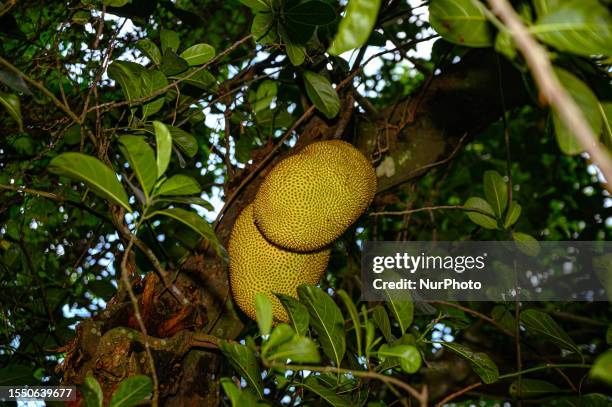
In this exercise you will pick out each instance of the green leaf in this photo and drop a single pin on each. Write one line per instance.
(188, 200)
(201, 79)
(94, 173)
(12, 105)
(151, 82)
(179, 185)
(314, 13)
(496, 192)
(299, 349)
(148, 47)
(182, 139)
(198, 54)
(526, 243)
(116, 3)
(352, 310)
(297, 312)
(481, 363)
(606, 115)
(142, 160)
(127, 75)
(163, 141)
(195, 222)
(356, 26)
(588, 104)
(408, 356)
(172, 64)
(381, 319)
(582, 27)
(231, 391)
(295, 52)
(544, 7)
(609, 335)
(326, 394)
(264, 96)
(486, 221)
(402, 311)
(131, 391)
(244, 362)
(530, 388)
(461, 22)
(263, 29)
(15, 374)
(92, 392)
(263, 311)
(513, 214)
(544, 326)
(256, 5)
(280, 334)
(322, 94)
(169, 40)
(602, 368)
(326, 319)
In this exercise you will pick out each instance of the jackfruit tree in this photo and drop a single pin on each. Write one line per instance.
(186, 188)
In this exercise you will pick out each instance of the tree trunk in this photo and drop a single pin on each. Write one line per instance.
(407, 139)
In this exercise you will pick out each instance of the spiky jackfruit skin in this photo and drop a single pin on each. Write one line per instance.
(257, 266)
(309, 199)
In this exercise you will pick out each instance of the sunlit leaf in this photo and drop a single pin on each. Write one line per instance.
(263, 311)
(322, 94)
(244, 362)
(297, 312)
(169, 40)
(496, 192)
(356, 26)
(325, 393)
(131, 391)
(163, 141)
(12, 105)
(483, 214)
(461, 22)
(94, 173)
(179, 185)
(198, 54)
(148, 47)
(92, 392)
(142, 160)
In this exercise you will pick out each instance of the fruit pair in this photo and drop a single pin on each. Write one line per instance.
(307, 201)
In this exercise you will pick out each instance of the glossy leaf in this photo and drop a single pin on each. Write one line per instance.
(116, 3)
(150, 83)
(481, 363)
(231, 391)
(606, 115)
(198, 54)
(402, 310)
(150, 49)
(295, 52)
(543, 7)
(245, 363)
(183, 140)
(352, 310)
(582, 27)
(356, 26)
(142, 160)
(92, 392)
(12, 105)
(299, 349)
(297, 312)
(602, 368)
(496, 192)
(256, 5)
(179, 185)
(200, 78)
(127, 75)
(381, 319)
(530, 388)
(263, 29)
(132, 391)
(526, 243)
(588, 104)
(172, 64)
(193, 221)
(486, 219)
(543, 325)
(326, 319)
(263, 311)
(94, 173)
(325, 393)
(314, 12)
(169, 40)
(461, 22)
(408, 356)
(513, 214)
(265, 95)
(322, 94)
(280, 334)
(163, 141)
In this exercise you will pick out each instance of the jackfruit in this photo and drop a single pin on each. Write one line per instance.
(257, 266)
(309, 199)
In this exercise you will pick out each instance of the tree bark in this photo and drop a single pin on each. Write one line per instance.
(408, 138)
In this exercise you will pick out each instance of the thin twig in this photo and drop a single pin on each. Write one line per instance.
(431, 208)
(421, 396)
(551, 91)
(145, 337)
